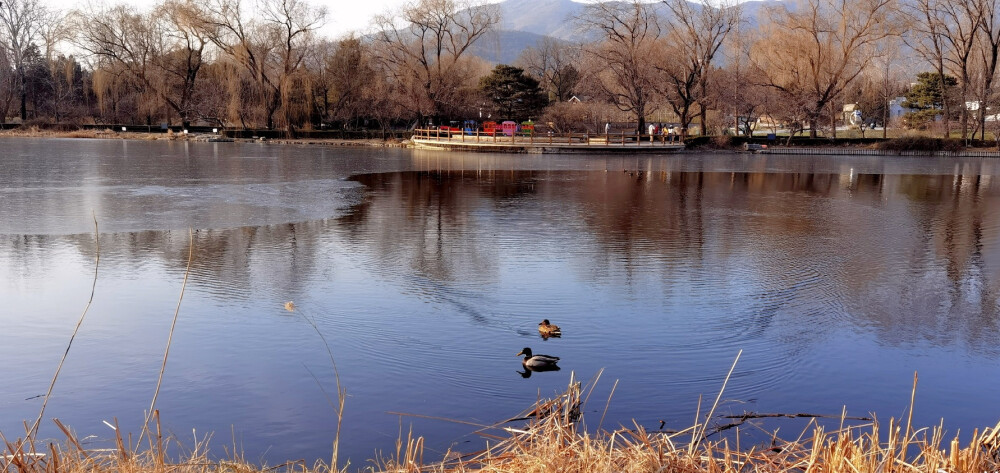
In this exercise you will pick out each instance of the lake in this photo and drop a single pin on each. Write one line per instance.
(423, 273)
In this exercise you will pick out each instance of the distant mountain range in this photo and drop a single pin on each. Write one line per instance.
(526, 22)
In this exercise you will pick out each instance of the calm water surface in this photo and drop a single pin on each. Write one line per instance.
(426, 272)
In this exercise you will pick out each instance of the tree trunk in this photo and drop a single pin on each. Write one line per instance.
(885, 119)
(704, 128)
(947, 103)
(833, 121)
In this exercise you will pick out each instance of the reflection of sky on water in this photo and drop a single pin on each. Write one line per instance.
(838, 280)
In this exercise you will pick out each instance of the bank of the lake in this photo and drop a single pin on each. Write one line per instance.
(582, 143)
(107, 133)
(552, 436)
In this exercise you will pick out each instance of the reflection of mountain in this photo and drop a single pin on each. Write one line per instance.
(915, 258)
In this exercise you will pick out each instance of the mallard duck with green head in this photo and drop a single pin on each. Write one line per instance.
(538, 362)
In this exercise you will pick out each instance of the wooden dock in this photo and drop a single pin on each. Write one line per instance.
(477, 141)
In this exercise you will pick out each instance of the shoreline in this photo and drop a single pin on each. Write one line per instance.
(108, 134)
(833, 149)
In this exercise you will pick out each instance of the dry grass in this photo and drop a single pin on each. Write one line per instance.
(36, 132)
(554, 439)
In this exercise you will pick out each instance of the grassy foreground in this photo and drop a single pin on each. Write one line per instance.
(554, 439)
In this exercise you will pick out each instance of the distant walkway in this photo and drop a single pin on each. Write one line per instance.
(478, 141)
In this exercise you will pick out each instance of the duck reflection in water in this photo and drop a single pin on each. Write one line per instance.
(527, 371)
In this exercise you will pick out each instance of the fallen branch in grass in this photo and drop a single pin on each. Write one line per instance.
(754, 415)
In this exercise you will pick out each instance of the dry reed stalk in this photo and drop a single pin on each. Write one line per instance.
(170, 338)
(93, 289)
(551, 442)
(341, 391)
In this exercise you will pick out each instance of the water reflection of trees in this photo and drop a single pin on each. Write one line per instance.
(913, 258)
(232, 263)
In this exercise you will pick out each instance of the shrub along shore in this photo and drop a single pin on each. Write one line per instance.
(551, 436)
(108, 133)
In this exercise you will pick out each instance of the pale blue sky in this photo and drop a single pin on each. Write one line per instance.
(344, 15)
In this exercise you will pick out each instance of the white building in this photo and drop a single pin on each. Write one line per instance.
(896, 108)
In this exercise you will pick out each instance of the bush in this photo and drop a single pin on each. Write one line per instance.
(723, 142)
(921, 143)
(920, 120)
(37, 124)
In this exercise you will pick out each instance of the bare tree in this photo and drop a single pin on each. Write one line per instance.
(962, 20)
(988, 59)
(813, 52)
(344, 73)
(696, 32)
(884, 80)
(943, 32)
(182, 55)
(20, 21)
(424, 48)
(270, 47)
(161, 51)
(735, 88)
(555, 64)
(626, 53)
(382, 97)
(62, 70)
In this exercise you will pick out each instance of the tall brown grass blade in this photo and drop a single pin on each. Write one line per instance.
(593, 384)
(909, 416)
(341, 392)
(120, 443)
(93, 290)
(699, 434)
(160, 453)
(71, 438)
(606, 405)
(170, 337)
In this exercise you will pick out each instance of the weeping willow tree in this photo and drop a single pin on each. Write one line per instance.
(269, 44)
(8, 85)
(161, 51)
(108, 91)
(811, 53)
